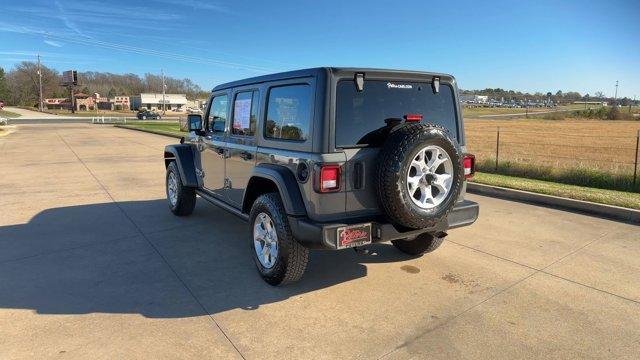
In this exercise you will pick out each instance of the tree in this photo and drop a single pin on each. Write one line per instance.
(23, 83)
(4, 88)
(599, 95)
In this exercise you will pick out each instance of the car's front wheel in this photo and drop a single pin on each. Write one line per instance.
(421, 244)
(182, 199)
(144, 117)
(279, 258)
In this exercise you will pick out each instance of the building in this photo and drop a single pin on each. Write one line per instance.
(596, 103)
(474, 98)
(151, 101)
(84, 102)
(57, 103)
(121, 103)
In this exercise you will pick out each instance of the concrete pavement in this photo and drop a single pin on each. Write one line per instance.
(93, 265)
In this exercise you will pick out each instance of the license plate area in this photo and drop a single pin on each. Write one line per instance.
(354, 235)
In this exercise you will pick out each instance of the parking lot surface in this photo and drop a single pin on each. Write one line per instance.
(94, 265)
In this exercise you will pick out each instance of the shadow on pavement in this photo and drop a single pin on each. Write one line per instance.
(93, 259)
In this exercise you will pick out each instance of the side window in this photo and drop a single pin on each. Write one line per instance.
(245, 113)
(289, 112)
(218, 113)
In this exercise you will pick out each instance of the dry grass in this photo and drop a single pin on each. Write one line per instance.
(608, 146)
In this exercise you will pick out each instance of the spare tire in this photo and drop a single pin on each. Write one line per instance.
(420, 175)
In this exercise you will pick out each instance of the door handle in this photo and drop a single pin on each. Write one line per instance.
(245, 155)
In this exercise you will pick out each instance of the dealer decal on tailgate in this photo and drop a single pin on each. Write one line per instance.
(356, 235)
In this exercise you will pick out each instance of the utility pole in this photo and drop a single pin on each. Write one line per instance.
(615, 97)
(164, 87)
(40, 105)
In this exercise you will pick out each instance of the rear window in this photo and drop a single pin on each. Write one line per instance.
(289, 112)
(365, 118)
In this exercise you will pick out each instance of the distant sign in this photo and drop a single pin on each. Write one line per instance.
(70, 77)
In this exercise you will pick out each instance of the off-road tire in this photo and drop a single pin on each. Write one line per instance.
(395, 158)
(292, 257)
(421, 244)
(186, 195)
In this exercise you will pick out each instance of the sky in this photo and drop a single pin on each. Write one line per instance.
(542, 45)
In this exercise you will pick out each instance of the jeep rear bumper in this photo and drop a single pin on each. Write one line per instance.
(315, 235)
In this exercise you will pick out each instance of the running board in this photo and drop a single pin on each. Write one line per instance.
(223, 205)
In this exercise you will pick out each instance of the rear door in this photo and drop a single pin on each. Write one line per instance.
(241, 143)
(362, 123)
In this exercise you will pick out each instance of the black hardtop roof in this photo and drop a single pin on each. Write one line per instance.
(331, 70)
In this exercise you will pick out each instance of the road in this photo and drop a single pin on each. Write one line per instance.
(93, 265)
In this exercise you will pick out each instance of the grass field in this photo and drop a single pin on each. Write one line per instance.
(483, 111)
(609, 197)
(170, 128)
(609, 146)
(8, 114)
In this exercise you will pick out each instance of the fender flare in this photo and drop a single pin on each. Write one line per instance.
(287, 186)
(184, 158)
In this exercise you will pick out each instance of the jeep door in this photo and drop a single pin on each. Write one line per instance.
(212, 144)
(241, 143)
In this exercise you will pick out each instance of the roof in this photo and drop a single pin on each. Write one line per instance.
(329, 70)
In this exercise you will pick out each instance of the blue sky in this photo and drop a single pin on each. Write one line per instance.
(531, 46)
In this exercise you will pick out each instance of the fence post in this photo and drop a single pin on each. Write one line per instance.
(635, 165)
(497, 147)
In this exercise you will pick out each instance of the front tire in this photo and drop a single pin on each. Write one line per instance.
(181, 199)
(279, 258)
(421, 244)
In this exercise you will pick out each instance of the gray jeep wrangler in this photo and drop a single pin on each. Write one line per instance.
(328, 158)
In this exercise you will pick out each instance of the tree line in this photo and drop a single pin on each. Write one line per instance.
(20, 85)
(557, 97)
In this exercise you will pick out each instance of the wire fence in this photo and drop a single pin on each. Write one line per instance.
(607, 153)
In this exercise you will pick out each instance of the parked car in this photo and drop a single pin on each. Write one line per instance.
(328, 158)
(148, 115)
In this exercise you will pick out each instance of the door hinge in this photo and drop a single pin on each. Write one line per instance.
(227, 183)
(200, 173)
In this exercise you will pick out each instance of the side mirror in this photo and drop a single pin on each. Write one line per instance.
(195, 122)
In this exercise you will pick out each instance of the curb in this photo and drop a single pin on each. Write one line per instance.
(157, 132)
(601, 210)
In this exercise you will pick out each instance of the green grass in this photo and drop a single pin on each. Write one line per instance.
(8, 114)
(586, 177)
(169, 128)
(601, 196)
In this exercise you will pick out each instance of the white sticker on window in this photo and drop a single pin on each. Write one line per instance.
(399, 86)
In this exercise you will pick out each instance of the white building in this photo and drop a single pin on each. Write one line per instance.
(155, 101)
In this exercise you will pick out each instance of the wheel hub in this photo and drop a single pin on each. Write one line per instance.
(265, 240)
(172, 188)
(430, 177)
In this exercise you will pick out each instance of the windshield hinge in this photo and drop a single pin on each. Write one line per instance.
(435, 84)
(359, 79)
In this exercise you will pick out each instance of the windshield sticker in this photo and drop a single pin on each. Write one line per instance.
(399, 86)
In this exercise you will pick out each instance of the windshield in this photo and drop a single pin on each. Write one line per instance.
(365, 118)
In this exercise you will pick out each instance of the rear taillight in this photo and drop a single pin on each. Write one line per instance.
(329, 178)
(469, 163)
